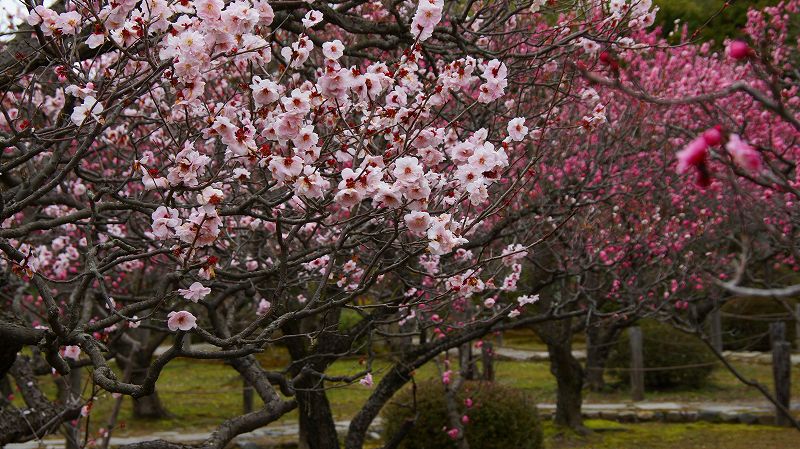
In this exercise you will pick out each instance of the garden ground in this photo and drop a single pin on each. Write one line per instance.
(196, 407)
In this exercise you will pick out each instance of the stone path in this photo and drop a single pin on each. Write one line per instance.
(743, 413)
(280, 432)
(505, 353)
(751, 413)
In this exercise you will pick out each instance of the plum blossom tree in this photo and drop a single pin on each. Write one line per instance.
(730, 118)
(245, 172)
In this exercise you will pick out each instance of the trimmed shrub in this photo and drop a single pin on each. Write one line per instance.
(748, 329)
(697, 14)
(665, 346)
(500, 418)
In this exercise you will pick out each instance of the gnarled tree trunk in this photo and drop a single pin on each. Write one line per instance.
(150, 406)
(569, 377)
(599, 343)
(567, 370)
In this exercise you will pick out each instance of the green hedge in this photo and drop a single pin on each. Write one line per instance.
(752, 333)
(695, 13)
(665, 346)
(500, 418)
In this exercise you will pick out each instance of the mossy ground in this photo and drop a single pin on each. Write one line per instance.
(612, 435)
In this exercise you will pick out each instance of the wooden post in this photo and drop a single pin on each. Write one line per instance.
(637, 363)
(487, 354)
(716, 329)
(467, 362)
(781, 370)
(247, 396)
(797, 326)
(777, 332)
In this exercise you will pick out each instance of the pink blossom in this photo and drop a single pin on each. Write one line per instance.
(447, 377)
(41, 14)
(417, 221)
(428, 15)
(441, 239)
(286, 167)
(312, 18)
(495, 70)
(165, 220)
(386, 196)
(453, 433)
(195, 292)
(693, 155)
(69, 22)
(209, 9)
(367, 380)
(210, 195)
(188, 165)
(151, 183)
(348, 197)
(95, 39)
(527, 299)
(407, 170)
(72, 352)
(311, 184)
(265, 91)
(264, 307)
(491, 91)
(744, 155)
(89, 107)
(333, 49)
(182, 320)
(517, 129)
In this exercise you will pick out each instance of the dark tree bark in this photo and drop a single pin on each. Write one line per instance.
(316, 418)
(468, 361)
(599, 343)
(569, 377)
(317, 427)
(487, 355)
(14, 335)
(568, 373)
(16, 427)
(69, 387)
(150, 406)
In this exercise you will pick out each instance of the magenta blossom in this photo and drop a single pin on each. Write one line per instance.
(738, 50)
(713, 136)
